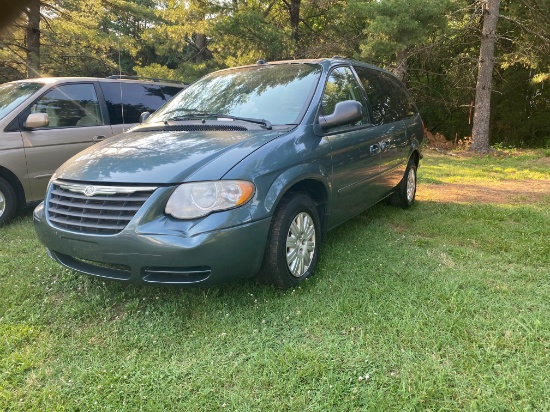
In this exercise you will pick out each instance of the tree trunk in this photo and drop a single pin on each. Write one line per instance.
(294, 9)
(401, 71)
(200, 44)
(33, 38)
(482, 113)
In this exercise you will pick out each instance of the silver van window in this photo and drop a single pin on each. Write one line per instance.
(70, 105)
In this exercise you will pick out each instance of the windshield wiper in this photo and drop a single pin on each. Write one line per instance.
(264, 122)
(199, 115)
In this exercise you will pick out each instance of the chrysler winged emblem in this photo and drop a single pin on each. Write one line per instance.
(92, 190)
(89, 190)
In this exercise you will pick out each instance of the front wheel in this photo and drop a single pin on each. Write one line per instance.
(405, 192)
(292, 248)
(7, 201)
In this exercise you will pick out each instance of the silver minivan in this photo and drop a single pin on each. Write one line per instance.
(45, 121)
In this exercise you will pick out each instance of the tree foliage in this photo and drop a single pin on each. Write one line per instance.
(432, 44)
(394, 28)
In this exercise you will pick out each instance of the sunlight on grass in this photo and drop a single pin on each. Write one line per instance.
(465, 169)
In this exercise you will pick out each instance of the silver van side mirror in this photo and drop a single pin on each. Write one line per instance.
(346, 112)
(37, 120)
(144, 116)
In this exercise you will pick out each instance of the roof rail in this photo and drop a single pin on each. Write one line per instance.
(152, 79)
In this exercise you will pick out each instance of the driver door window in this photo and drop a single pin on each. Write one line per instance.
(70, 105)
(341, 85)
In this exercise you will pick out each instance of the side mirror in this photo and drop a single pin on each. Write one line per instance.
(144, 116)
(37, 120)
(346, 112)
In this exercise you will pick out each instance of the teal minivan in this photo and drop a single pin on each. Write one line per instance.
(241, 174)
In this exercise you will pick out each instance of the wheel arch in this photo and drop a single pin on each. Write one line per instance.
(315, 190)
(302, 179)
(15, 183)
(415, 156)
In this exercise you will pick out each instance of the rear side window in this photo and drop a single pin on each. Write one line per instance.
(70, 105)
(388, 99)
(126, 101)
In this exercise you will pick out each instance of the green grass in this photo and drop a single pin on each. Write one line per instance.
(464, 169)
(441, 307)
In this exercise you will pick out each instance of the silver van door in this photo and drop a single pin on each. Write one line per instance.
(75, 122)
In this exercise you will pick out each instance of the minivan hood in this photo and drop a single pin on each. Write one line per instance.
(163, 157)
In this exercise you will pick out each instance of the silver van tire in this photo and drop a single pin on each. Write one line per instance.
(293, 243)
(8, 201)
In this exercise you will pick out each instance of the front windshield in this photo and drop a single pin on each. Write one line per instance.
(276, 93)
(12, 94)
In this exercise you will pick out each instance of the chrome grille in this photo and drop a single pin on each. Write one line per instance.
(92, 209)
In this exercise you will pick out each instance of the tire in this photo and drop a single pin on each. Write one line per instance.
(8, 201)
(293, 242)
(405, 191)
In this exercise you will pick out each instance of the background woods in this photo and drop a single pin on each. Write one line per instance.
(433, 45)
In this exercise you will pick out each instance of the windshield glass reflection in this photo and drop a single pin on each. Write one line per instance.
(278, 93)
(13, 94)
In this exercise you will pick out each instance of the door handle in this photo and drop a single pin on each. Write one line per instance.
(96, 139)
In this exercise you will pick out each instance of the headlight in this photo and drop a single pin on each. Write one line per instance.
(192, 200)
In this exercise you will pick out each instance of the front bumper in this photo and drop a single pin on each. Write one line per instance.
(155, 257)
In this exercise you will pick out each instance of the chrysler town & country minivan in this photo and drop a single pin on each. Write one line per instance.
(240, 174)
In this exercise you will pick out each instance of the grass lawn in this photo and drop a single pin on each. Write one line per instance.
(445, 306)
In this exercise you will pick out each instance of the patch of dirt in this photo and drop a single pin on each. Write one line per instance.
(439, 142)
(544, 161)
(460, 147)
(512, 192)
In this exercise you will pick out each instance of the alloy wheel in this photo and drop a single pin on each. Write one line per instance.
(300, 244)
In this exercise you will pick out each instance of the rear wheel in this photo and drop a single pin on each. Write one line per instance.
(405, 192)
(8, 201)
(292, 248)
